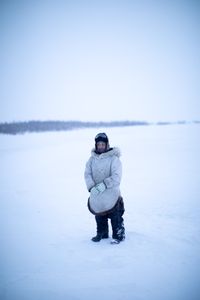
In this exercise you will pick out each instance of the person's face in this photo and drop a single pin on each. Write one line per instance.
(101, 147)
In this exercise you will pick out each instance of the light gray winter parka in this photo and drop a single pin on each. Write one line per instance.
(107, 168)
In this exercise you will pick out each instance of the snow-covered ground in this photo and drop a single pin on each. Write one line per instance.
(46, 252)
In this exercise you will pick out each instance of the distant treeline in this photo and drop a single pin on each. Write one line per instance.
(41, 126)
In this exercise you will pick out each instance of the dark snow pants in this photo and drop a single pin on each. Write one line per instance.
(117, 222)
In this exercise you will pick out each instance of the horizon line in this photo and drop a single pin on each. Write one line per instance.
(21, 127)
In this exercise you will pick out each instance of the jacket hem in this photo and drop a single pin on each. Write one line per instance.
(106, 211)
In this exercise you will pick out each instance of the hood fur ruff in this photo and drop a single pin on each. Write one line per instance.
(114, 152)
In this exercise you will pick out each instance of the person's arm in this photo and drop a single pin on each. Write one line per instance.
(88, 175)
(116, 174)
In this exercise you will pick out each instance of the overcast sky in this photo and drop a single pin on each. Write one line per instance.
(99, 60)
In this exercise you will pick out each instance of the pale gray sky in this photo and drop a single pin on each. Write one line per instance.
(99, 60)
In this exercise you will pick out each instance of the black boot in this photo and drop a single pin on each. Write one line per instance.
(102, 228)
(100, 236)
(118, 222)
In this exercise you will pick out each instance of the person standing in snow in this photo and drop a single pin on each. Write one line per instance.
(102, 174)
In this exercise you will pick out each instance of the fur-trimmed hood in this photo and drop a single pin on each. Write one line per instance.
(115, 151)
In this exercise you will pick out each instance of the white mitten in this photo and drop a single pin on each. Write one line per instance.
(101, 187)
(94, 191)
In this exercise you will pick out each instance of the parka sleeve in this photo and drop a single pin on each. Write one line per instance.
(116, 173)
(88, 175)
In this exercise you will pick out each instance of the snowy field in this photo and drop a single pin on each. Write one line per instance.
(46, 252)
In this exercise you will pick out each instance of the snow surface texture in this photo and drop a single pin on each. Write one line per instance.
(46, 251)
